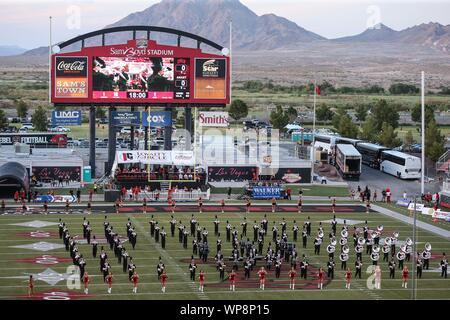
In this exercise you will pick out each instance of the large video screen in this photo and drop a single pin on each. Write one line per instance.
(134, 78)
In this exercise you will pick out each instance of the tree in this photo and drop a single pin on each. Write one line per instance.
(361, 112)
(100, 112)
(367, 132)
(292, 113)
(434, 141)
(416, 113)
(388, 136)
(238, 109)
(409, 139)
(341, 112)
(3, 120)
(279, 119)
(384, 112)
(402, 88)
(21, 108)
(347, 128)
(323, 113)
(39, 119)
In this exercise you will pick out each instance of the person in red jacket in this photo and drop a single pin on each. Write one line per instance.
(348, 278)
(16, 196)
(201, 278)
(320, 276)
(405, 275)
(262, 278)
(292, 275)
(135, 280)
(163, 279)
(109, 281)
(86, 282)
(232, 278)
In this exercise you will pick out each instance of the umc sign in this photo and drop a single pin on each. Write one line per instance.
(66, 118)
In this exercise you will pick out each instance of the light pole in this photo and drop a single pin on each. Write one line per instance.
(414, 260)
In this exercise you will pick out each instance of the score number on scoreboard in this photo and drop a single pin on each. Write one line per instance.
(182, 72)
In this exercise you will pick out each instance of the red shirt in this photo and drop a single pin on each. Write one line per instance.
(16, 195)
(201, 276)
(163, 278)
(348, 275)
(262, 274)
(31, 283)
(321, 275)
(109, 279)
(292, 274)
(85, 279)
(232, 276)
(405, 274)
(135, 278)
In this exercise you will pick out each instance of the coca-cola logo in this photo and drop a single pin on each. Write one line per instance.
(71, 66)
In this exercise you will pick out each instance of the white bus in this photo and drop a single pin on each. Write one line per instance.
(401, 165)
(328, 142)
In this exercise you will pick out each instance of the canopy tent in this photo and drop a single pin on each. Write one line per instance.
(13, 176)
(291, 127)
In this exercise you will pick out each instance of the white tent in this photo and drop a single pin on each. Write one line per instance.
(294, 127)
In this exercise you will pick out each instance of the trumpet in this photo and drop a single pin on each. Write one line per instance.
(344, 233)
(343, 241)
(428, 246)
(409, 242)
(331, 248)
(376, 249)
(361, 241)
(343, 257)
(401, 256)
(386, 248)
(375, 256)
(345, 249)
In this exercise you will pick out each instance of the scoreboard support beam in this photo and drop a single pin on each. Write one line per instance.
(168, 132)
(92, 125)
(111, 140)
(132, 109)
(188, 119)
(146, 130)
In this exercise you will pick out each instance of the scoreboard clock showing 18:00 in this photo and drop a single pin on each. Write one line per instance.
(137, 95)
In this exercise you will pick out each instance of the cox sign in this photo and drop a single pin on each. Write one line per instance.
(157, 119)
(66, 118)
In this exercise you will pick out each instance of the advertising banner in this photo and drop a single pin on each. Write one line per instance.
(54, 173)
(213, 119)
(210, 79)
(71, 77)
(66, 118)
(123, 118)
(157, 119)
(267, 192)
(47, 140)
(231, 173)
(156, 157)
(55, 199)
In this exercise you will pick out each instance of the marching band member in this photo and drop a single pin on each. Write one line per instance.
(244, 227)
(405, 274)
(348, 278)
(86, 282)
(232, 278)
(333, 205)
(320, 275)
(304, 236)
(377, 277)
(308, 226)
(109, 281)
(334, 225)
(262, 278)
(304, 267)
(173, 223)
(392, 268)
(317, 243)
(444, 265)
(419, 266)
(358, 267)
(295, 231)
(292, 275)
(330, 266)
(135, 280)
(216, 226)
(163, 279)
(201, 278)
(163, 238)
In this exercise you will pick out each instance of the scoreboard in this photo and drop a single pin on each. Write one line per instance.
(140, 72)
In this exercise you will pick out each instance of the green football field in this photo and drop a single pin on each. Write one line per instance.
(17, 263)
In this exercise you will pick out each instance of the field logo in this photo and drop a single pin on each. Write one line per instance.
(73, 279)
(371, 280)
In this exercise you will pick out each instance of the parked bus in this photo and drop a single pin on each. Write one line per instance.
(371, 153)
(401, 165)
(327, 142)
(348, 161)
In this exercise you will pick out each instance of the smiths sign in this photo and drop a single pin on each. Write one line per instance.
(157, 119)
(66, 118)
(71, 79)
(213, 119)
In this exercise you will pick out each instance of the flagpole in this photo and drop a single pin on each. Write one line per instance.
(422, 183)
(314, 132)
(50, 62)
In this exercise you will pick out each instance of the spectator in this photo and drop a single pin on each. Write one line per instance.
(388, 195)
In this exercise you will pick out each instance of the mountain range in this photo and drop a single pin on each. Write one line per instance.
(210, 19)
(11, 50)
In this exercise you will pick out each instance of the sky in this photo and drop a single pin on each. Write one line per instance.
(25, 23)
